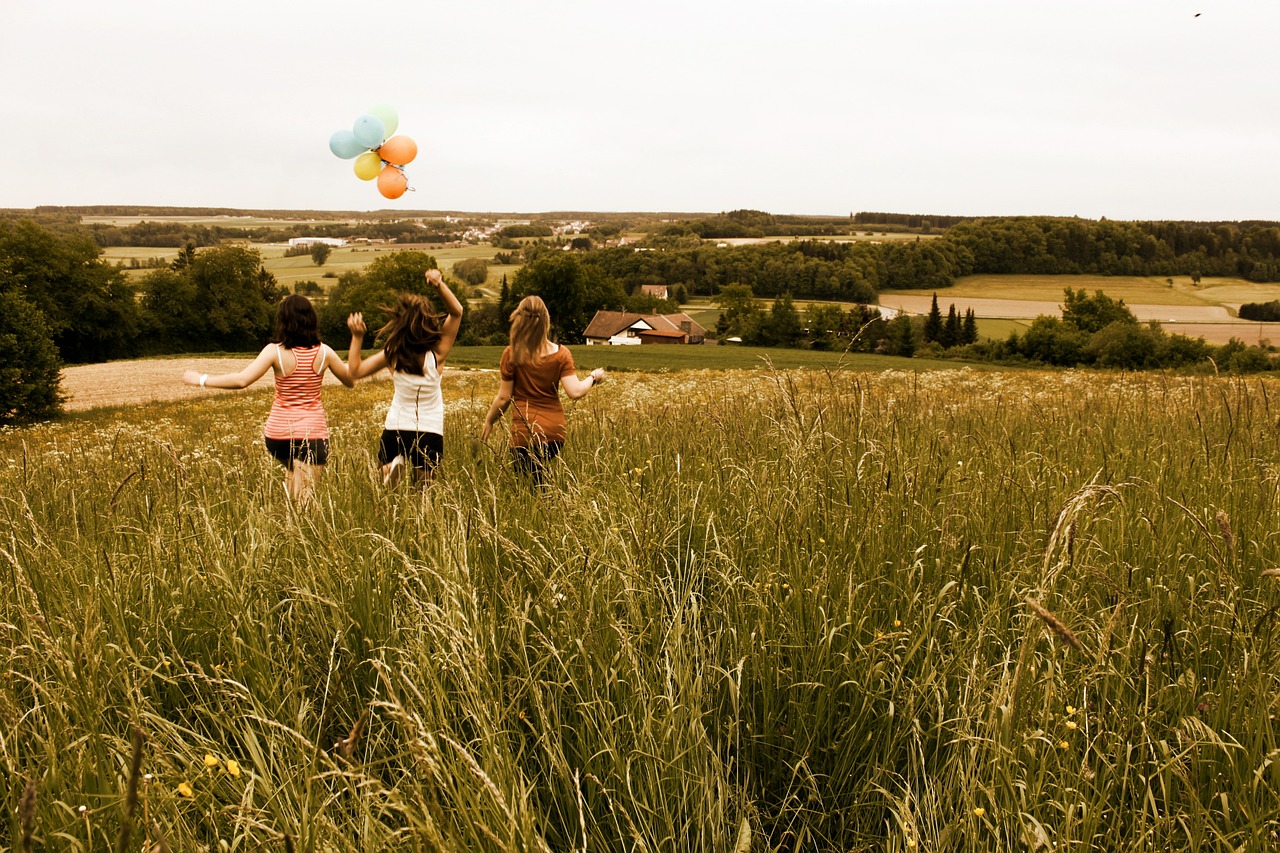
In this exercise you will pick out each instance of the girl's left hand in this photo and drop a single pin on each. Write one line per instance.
(191, 377)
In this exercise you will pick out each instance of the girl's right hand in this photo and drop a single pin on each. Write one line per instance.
(191, 377)
(355, 322)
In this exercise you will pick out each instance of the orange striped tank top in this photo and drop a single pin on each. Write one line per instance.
(296, 412)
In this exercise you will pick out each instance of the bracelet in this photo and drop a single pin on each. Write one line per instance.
(204, 377)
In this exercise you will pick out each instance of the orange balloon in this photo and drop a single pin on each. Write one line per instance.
(392, 181)
(399, 150)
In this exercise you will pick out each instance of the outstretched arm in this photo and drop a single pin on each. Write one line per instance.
(243, 379)
(338, 367)
(452, 307)
(500, 404)
(577, 388)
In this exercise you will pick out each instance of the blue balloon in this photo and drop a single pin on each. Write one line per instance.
(343, 144)
(369, 131)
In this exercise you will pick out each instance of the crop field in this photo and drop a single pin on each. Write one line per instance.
(1134, 290)
(768, 610)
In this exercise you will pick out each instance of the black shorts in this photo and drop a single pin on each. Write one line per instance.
(532, 461)
(422, 450)
(313, 451)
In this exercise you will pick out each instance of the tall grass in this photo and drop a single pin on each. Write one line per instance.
(791, 611)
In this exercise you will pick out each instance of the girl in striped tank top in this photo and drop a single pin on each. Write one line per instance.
(296, 432)
(416, 343)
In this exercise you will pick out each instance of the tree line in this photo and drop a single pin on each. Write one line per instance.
(61, 302)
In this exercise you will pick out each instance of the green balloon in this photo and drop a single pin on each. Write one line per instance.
(390, 119)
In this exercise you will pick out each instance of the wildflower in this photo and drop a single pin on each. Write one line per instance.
(1071, 724)
(821, 541)
(911, 842)
(1062, 744)
(82, 809)
(233, 767)
(1071, 711)
(897, 623)
(185, 789)
(979, 811)
(211, 760)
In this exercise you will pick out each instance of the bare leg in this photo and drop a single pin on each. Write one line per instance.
(300, 481)
(392, 471)
(422, 477)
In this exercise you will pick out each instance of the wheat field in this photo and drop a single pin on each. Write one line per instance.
(768, 610)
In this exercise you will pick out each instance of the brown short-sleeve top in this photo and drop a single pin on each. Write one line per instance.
(535, 396)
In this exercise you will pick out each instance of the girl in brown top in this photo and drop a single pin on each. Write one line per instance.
(532, 368)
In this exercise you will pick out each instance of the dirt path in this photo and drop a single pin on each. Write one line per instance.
(128, 383)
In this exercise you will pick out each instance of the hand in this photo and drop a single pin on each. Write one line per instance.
(435, 277)
(355, 322)
(597, 375)
(485, 430)
(191, 377)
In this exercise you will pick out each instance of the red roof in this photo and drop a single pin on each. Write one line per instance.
(606, 324)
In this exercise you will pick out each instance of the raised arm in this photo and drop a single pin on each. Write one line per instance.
(358, 367)
(500, 404)
(452, 307)
(243, 379)
(577, 388)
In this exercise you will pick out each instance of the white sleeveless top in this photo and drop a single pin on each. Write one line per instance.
(417, 405)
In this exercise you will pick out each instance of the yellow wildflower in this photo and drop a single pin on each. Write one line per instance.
(1062, 744)
(1071, 724)
(233, 767)
(979, 811)
(1071, 711)
(897, 623)
(185, 789)
(211, 760)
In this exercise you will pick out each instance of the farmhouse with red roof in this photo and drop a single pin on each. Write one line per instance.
(627, 328)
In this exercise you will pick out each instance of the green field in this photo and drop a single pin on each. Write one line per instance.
(765, 611)
(1135, 290)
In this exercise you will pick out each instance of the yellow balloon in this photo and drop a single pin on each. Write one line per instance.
(368, 165)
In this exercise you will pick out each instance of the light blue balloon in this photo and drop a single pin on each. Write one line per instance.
(369, 131)
(343, 144)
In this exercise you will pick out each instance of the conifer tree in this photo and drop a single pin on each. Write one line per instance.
(933, 323)
(969, 334)
(951, 331)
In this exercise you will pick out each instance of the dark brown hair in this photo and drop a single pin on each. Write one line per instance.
(296, 323)
(412, 329)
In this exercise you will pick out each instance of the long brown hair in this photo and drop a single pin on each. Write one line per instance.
(296, 323)
(530, 324)
(412, 329)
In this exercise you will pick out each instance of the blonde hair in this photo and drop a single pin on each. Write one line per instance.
(530, 324)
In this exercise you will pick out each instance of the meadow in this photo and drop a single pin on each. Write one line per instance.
(777, 610)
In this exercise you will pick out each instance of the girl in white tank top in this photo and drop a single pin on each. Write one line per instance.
(416, 342)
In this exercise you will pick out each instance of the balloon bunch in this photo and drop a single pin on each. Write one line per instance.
(377, 153)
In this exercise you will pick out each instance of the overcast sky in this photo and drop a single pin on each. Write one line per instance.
(1128, 109)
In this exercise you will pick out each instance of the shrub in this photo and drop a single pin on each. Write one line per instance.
(29, 365)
